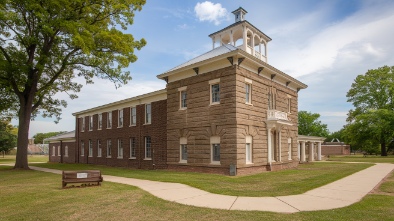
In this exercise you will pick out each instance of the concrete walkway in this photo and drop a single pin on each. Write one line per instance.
(340, 193)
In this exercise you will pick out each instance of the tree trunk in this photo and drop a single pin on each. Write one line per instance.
(23, 137)
(383, 150)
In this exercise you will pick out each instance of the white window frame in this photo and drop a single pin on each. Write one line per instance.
(99, 149)
(248, 150)
(271, 100)
(132, 148)
(214, 142)
(182, 103)
(248, 91)
(211, 84)
(90, 154)
(109, 119)
(133, 116)
(100, 121)
(109, 148)
(83, 124)
(91, 123)
(148, 115)
(120, 149)
(288, 104)
(66, 151)
(120, 118)
(58, 151)
(146, 148)
(82, 148)
(53, 151)
(183, 144)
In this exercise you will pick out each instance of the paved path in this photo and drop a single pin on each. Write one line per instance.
(340, 193)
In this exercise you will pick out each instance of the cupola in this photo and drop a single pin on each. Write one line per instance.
(242, 35)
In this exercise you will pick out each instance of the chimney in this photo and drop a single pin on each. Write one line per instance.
(31, 141)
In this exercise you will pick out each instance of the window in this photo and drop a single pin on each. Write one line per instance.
(66, 151)
(248, 93)
(133, 116)
(271, 99)
(148, 148)
(109, 120)
(148, 114)
(182, 98)
(132, 148)
(215, 91)
(215, 150)
(109, 147)
(90, 123)
(99, 151)
(83, 124)
(100, 121)
(248, 150)
(183, 150)
(58, 150)
(82, 148)
(90, 148)
(120, 118)
(120, 148)
(53, 151)
(288, 104)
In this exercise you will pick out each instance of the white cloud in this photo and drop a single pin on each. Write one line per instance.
(208, 11)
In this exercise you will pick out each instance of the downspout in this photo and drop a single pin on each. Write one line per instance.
(61, 151)
(140, 140)
(76, 155)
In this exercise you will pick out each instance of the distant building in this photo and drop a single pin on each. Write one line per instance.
(227, 108)
(335, 148)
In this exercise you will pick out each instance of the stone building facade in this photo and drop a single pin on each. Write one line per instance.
(224, 111)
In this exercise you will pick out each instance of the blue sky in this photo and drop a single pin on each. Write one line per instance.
(324, 44)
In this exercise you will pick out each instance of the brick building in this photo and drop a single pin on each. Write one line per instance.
(227, 108)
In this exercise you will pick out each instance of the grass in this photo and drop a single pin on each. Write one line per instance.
(361, 158)
(278, 183)
(30, 158)
(33, 195)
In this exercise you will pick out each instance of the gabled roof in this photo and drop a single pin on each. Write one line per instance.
(210, 54)
(64, 136)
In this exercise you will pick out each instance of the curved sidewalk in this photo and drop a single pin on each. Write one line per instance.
(340, 193)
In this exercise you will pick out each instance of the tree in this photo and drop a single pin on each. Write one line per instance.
(7, 136)
(310, 125)
(372, 128)
(46, 45)
(39, 137)
(372, 95)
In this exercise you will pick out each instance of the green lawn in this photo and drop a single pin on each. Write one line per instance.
(278, 183)
(33, 195)
(361, 158)
(30, 158)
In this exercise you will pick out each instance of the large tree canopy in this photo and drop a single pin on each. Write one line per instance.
(372, 95)
(45, 45)
(310, 125)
